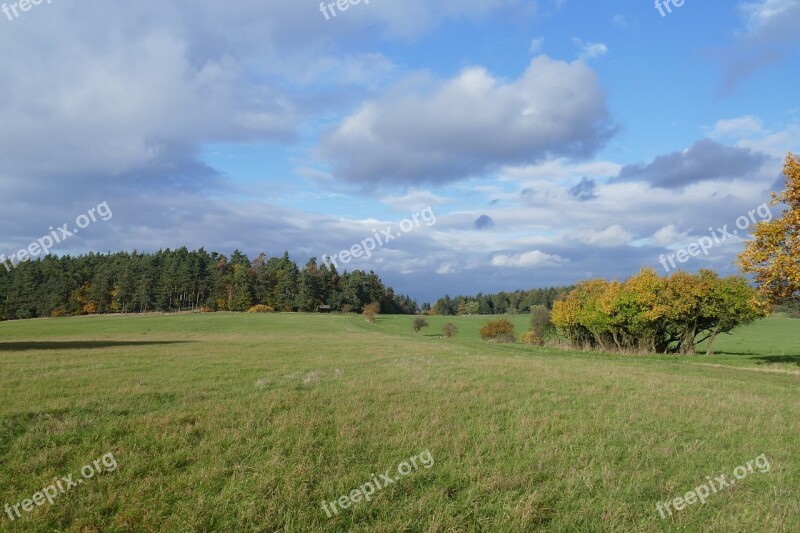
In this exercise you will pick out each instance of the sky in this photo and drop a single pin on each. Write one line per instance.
(524, 143)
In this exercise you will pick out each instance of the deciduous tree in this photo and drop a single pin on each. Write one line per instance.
(647, 313)
(773, 254)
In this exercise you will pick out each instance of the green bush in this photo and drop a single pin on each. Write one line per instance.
(541, 324)
(450, 330)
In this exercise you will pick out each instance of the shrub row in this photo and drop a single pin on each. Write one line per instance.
(652, 314)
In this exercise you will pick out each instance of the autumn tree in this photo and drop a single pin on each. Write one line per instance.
(566, 317)
(727, 304)
(773, 255)
(647, 313)
(590, 313)
(637, 307)
(682, 305)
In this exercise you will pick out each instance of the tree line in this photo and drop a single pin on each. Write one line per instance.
(502, 303)
(175, 280)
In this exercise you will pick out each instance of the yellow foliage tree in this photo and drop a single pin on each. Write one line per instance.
(773, 254)
(648, 313)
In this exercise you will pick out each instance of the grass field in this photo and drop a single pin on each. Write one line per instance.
(232, 422)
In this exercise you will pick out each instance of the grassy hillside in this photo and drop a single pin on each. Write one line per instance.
(247, 423)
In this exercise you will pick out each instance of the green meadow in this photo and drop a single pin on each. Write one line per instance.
(235, 422)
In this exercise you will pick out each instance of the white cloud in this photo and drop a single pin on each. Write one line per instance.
(668, 236)
(762, 13)
(590, 50)
(534, 258)
(737, 127)
(420, 132)
(446, 269)
(775, 144)
(610, 237)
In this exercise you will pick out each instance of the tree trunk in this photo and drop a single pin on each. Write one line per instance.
(687, 343)
(709, 348)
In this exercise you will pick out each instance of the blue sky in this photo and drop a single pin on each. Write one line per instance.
(590, 138)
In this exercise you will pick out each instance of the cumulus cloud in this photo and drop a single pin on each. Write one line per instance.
(439, 132)
(535, 258)
(127, 108)
(705, 160)
(136, 89)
